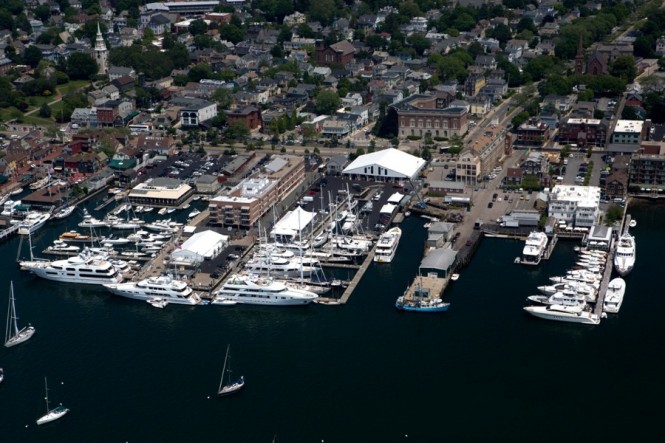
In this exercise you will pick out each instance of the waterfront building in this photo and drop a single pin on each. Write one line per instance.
(245, 203)
(481, 155)
(194, 111)
(438, 261)
(627, 136)
(207, 184)
(439, 233)
(386, 165)
(201, 246)
(647, 168)
(293, 226)
(578, 206)
(160, 191)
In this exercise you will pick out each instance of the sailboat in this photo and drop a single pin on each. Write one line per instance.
(14, 336)
(51, 414)
(230, 387)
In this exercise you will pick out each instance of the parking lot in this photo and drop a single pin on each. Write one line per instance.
(578, 165)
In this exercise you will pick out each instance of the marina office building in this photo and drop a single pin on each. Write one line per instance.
(249, 200)
(160, 191)
(578, 206)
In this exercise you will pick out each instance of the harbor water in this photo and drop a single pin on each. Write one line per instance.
(363, 372)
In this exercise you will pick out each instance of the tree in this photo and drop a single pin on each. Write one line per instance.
(520, 118)
(327, 102)
(624, 68)
(322, 11)
(43, 13)
(614, 213)
(198, 27)
(81, 66)
(237, 130)
(45, 111)
(32, 56)
(419, 43)
(500, 32)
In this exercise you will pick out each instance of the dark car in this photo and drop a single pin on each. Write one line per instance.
(490, 205)
(214, 275)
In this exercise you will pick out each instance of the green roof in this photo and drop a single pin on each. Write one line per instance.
(123, 164)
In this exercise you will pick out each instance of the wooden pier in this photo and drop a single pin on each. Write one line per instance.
(550, 247)
(359, 275)
(334, 264)
(432, 286)
(604, 283)
(6, 233)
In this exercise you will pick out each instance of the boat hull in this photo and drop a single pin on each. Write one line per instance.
(23, 335)
(542, 312)
(53, 415)
(232, 388)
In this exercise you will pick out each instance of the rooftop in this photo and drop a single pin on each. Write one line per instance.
(629, 126)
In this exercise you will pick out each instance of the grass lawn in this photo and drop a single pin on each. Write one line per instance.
(72, 86)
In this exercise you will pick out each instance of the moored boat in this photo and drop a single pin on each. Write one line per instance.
(614, 295)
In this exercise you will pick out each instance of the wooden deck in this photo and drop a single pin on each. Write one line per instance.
(359, 275)
(433, 286)
(607, 274)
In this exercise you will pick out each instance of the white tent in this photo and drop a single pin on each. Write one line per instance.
(292, 224)
(387, 209)
(201, 246)
(396, 198)
(388, 164)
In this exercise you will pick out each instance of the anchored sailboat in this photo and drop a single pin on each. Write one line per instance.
(51, 414)
(230, 387)
(14, 335)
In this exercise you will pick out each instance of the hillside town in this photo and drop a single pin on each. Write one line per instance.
(500, 115)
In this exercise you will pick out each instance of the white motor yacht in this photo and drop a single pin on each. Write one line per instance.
(614, 295)
(85, 267)
(534, 248)
(587, 290)
(32, 222)
(64, 212)
(255, 291)
(387, 245)
(572, 314)
(162, 287)
(565, 298)
(624, 257)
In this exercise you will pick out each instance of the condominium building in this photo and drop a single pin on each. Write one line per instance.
(578, 206)
(248, 201)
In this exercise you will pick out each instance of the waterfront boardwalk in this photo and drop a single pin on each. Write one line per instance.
(359, 275)
(550, 247)
(430, 287)
(607, 274)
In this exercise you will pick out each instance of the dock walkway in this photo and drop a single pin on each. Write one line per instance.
(359, 275)
(433, 287)
(602, 291)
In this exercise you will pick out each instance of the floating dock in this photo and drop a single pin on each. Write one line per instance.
(359, 275)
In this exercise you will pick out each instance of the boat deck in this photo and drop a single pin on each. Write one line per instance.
(433, 286)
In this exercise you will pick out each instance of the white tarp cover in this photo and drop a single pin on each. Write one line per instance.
(293, 222)
(401, 164)
(396, 198)
(202, 245)
(387, 209)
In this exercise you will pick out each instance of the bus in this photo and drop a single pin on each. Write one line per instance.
(139, 129)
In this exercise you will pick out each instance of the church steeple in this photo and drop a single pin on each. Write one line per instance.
(101, 53)
(579, 57)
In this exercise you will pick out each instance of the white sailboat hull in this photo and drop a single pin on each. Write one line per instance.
(22, 336)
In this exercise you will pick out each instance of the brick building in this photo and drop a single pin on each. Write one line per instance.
(583, 132)
(339, 53)
(532, 133)
(430, 114)
(250, 115)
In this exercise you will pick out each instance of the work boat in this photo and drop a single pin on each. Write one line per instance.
(86, 267)
(256, 291)
(163, 287)
(614, 295)
(534, 248)
(572, 314)
(624, 257)
(387, 245)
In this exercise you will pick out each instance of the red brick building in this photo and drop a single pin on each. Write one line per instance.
(250, 115)
(583, 132)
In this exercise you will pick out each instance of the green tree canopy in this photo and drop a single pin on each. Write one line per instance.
(327, 102)
(624, 68)
(81, 66)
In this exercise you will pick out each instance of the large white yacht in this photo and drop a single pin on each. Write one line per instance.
(162, 287)
(589, 291)
(32, 222)
(614, 295)
(624, 257)
(255, 291)
(565, 298)
(387, 245)
(85, 267)
(572, 314)
(534, 248)
(283, 267)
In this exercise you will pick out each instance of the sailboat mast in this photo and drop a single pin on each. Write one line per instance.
(10, 314)
(46, 394)
(221, 382)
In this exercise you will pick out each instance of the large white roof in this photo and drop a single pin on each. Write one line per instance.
(400, 162)
(293, 222)
(206, 243)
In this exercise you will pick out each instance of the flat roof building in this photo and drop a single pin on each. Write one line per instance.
(578, 206)
(160, 192)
